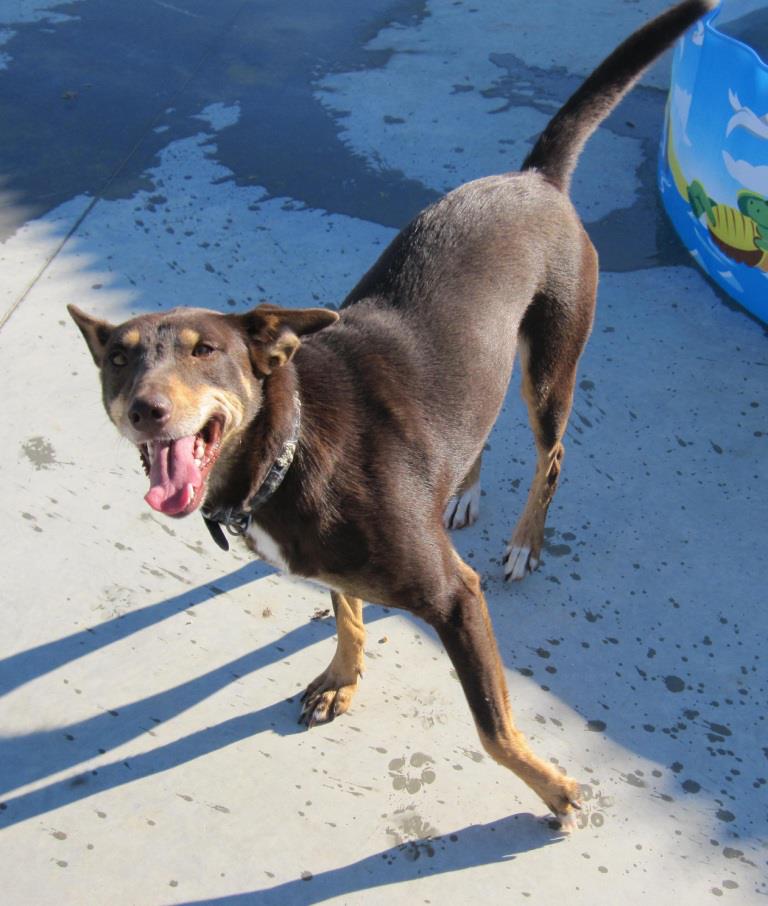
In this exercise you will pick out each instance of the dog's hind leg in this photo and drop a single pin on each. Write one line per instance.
(464, 627)
(551, 339)
(464, 507)
(331, 693)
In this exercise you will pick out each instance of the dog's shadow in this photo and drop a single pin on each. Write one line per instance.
(470, 847)
(35, 756)
(32, 757)
(410, 860)
(280, 717)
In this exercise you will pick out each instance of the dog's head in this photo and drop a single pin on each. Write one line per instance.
(183, 385)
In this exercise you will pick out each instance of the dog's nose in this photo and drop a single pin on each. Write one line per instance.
(150, 411)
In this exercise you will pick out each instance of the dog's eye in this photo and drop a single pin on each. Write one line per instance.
(202, 350)
(118, 358)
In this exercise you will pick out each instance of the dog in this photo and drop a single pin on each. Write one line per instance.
(340, 446)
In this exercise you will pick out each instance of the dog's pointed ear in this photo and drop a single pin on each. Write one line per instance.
(96, 332)
(272, 333)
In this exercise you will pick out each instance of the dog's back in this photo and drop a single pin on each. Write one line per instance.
(504, 259)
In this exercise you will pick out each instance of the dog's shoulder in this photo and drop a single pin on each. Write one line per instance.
(368, 332)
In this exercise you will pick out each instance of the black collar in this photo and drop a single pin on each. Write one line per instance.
(237, 521)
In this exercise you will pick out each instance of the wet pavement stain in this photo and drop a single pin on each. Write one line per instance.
(473, 755)
(674, 683)
(404, 779)
(40, 453)
(634, 780)
(268, 63)
(594, 807)
(31, 519)
(412, 835)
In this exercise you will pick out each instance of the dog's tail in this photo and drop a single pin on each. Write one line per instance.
(557, 151)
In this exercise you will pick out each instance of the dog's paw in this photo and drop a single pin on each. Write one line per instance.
(561, 797)
(519, 560)
(326, 697)
(463, 509)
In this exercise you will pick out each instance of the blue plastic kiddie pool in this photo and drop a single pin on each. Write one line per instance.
(713, 168)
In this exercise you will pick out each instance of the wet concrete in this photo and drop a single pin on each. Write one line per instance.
(628, 237)
(113, 87)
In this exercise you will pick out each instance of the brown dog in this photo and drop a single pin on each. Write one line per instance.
(337, 446)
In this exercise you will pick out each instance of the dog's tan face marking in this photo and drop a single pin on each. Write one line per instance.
(190, 403)
(247, 389)
(181, 386)
(195, 405)
(116, 410)
(198, 372)
(131, 338)
(186, 384)
(189, 338)
(231, 403)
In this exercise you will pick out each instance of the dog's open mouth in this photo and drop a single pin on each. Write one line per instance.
(178, 469)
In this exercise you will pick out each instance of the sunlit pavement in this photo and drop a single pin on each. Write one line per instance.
(164, 153)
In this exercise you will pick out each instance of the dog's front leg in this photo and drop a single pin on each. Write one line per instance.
(463, 624)
(331, 693)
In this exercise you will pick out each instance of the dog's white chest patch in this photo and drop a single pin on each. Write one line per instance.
(266, 547)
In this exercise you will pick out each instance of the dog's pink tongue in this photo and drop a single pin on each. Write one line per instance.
(173, 475)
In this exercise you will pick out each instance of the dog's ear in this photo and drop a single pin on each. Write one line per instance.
(272, 332)
(96, 332)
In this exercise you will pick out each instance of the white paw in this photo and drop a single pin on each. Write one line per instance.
(567, 822)
(463, 509)
(518, 562)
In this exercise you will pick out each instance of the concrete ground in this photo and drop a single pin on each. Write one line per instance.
(186, 152)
